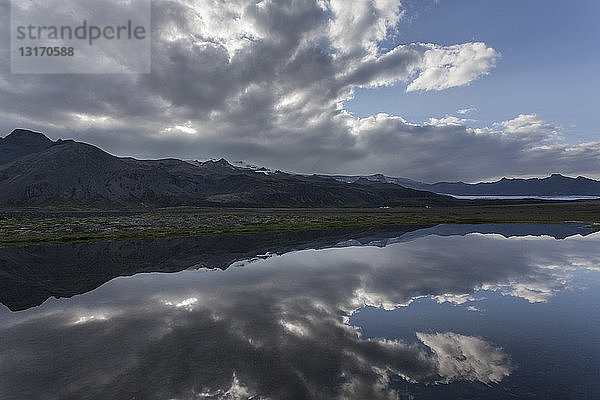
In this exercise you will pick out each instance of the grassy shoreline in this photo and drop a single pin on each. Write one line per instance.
(35, 226)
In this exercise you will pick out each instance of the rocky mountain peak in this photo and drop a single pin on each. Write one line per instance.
(26, 136)
(20, 143)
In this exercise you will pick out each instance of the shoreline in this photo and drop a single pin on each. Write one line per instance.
(23, 227)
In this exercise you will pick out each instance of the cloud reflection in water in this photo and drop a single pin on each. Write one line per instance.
(278, 328)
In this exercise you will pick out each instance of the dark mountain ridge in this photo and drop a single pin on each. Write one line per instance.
(22, 142)
(36, 171)
(554, 185)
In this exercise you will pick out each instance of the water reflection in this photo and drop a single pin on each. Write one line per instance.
(282, 327)
(32, 274)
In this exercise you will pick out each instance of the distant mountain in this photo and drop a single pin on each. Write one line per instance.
(37, 171)
(554, 185)
(378, 178)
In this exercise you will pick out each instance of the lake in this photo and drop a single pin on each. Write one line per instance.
(513, 197)
(492, 311)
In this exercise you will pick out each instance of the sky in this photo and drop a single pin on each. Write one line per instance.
(430, 90)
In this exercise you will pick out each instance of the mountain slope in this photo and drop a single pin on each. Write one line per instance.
(74, 173)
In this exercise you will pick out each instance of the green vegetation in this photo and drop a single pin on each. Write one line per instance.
(37, 226)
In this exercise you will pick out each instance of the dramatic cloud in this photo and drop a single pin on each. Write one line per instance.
(266, 82)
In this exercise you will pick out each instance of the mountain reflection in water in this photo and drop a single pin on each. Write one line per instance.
(301, 325)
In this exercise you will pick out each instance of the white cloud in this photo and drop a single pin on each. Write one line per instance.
(527, 124)
(467, 357)
(454, 298)
(464, 111)
(358, 28)
(446, 67)
(447, 121)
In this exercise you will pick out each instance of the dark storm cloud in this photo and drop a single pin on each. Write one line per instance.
(265, 82)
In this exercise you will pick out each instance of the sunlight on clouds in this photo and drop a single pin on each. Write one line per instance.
(90, 118)
(447, 121)
(187, 304)
(293, 328)
(90, 318)
(358, 28)
(184, 128)
(215, 23)
(290, 102)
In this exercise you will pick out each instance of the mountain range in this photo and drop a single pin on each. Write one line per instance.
(35, 170)
(554, 185)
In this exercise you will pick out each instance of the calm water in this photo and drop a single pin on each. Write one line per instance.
(504, 197)
(490, 311)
